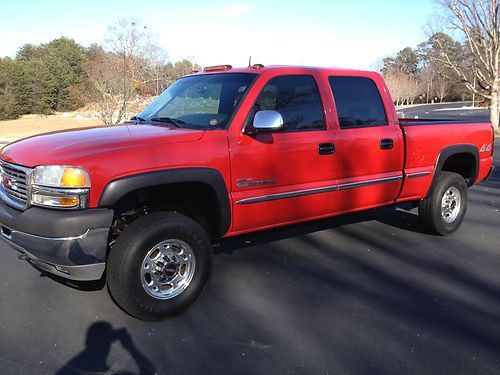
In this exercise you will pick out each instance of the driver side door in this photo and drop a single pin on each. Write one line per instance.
(289, 175)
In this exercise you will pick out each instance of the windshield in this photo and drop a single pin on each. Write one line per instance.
(202, 101)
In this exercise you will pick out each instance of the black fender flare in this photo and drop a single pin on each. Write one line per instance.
(117, 189)
(446, 152)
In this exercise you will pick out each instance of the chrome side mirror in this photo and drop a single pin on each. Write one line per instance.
(268, 121)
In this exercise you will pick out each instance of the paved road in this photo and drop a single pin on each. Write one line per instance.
(457, 111)
(363, 294)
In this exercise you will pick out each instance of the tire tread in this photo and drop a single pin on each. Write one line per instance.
(130, 239)
(429, 207)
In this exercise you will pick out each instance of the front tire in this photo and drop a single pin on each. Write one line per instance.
(159, 265)
(443, 211)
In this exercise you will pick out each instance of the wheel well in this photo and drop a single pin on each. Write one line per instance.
(193, 199)
(462, 163)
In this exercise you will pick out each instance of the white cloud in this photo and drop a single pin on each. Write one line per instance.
(231, 11)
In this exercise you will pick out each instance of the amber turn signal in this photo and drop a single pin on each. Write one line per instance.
(73, 177)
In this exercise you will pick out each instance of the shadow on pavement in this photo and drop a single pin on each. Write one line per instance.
(396, 216)
(100, 337)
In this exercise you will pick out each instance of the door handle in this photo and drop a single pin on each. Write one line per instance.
(326, 149)
(386, 144)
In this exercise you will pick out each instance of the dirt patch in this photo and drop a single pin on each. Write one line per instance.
(84, 117)
(35, 124)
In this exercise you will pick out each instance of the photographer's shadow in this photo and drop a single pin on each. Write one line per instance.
(100, 337)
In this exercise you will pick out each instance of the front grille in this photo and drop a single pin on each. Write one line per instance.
(14, 185)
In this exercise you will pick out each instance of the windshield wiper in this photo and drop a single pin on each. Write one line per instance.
(169, 120)
(137, 118)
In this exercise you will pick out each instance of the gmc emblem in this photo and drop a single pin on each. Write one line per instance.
(9, 183)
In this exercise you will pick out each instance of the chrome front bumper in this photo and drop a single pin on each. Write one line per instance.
(78, 255)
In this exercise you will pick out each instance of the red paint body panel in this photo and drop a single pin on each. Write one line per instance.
(111, 153)
(290, 160)
(424, 144)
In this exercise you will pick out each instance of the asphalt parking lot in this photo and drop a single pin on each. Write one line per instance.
(443, 111)
(361, 294)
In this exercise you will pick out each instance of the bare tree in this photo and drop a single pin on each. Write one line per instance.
(442, 87)
(116, 76)
(377, 65)
(130, 40)
(395, 83)
(427, 77)
(106, 90)
(404, 88)
(478, 22)
(155, 73)
(413, 89)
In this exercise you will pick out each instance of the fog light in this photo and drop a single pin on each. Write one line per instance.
(55, 201)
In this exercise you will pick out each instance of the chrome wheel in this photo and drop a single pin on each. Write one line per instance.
(451, 204)
(167, 269)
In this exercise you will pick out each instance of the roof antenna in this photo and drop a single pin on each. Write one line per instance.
(250, 61)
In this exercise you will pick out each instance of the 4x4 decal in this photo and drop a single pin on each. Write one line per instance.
(485, 148)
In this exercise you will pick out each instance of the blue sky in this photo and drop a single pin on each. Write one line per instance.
(324, 33)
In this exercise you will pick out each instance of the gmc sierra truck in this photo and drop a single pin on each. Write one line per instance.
(220, 153)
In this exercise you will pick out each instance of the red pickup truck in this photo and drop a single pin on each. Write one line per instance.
(223, 152)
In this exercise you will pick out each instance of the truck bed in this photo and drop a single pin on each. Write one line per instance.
(423, 122)
(425, 144)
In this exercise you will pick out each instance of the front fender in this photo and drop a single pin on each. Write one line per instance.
(117, 189)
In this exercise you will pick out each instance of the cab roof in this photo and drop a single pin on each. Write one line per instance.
(260, 69)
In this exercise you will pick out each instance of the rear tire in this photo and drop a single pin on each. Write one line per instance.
(159, 265)
(443, 211)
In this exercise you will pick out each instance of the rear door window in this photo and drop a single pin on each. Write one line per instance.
(358, 102)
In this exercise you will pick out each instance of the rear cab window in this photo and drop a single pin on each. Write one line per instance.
(358, 102)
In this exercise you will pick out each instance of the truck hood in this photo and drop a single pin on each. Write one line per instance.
(74, 145)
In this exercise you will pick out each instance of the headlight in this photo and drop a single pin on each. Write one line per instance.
(60, 176)
(60, 187)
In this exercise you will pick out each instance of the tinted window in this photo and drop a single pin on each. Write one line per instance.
(296, 98)
(358, 102)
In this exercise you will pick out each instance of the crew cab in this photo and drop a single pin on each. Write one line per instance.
(220, 153)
